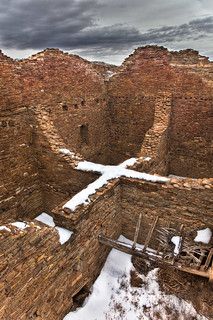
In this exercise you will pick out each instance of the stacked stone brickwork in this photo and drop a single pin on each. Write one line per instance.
(61, 271)
(191, 136)
(73, 92)
(157, 74)
(58, 176)
(40, 277)
(155, 144)
(157, 105)
(20, 191)
(186, 201)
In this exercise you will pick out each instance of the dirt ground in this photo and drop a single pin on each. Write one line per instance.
(194, 289)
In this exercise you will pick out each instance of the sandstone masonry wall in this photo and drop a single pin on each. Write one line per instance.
(157, 73)
(191, 136)
(41, 280)
(53, 101)
(34, 177)
(58, 176)
(187, 202)
(104, 120)
(20, 191)
(62, 271)
(73, 92)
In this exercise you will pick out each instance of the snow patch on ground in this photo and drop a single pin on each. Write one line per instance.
(108, 173)
(64, 234)
(20, 225)
(4, 228)
(113, 297)
(176, 240)
(203, 236)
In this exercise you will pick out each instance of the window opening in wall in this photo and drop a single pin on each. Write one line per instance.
(84, 133)
(64, 106)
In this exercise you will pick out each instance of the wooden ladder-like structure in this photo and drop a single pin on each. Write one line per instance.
(144, 252)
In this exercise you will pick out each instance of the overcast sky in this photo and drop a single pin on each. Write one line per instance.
(106, 30)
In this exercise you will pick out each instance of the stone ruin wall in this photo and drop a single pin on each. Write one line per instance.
(67, 100)
(32, 128)
(59, 180)
(38, 112)
(158, 75)
(41, 281)
(74, 94)
(51, 274)
(20, 191)
(104, 119)
(191, 136)
(187, 202)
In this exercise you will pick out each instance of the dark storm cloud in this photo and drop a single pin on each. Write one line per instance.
(72, 24)
(37, 23)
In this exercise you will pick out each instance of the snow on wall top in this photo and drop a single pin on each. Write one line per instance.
(108, 173)
(64, 234)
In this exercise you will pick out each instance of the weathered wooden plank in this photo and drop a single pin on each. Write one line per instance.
(196, 272)
(208, 260)
(150, 234)
(137, 231)
(153, 256)
(126, 248)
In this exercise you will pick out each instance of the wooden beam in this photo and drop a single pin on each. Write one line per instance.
(148, 238)
(205, 274)
(127, 248)
(137, 231)
(152, 256)
(211, 274)
(208, 260)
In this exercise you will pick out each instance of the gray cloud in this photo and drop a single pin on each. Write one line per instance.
(33, 24)
(88, 26)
